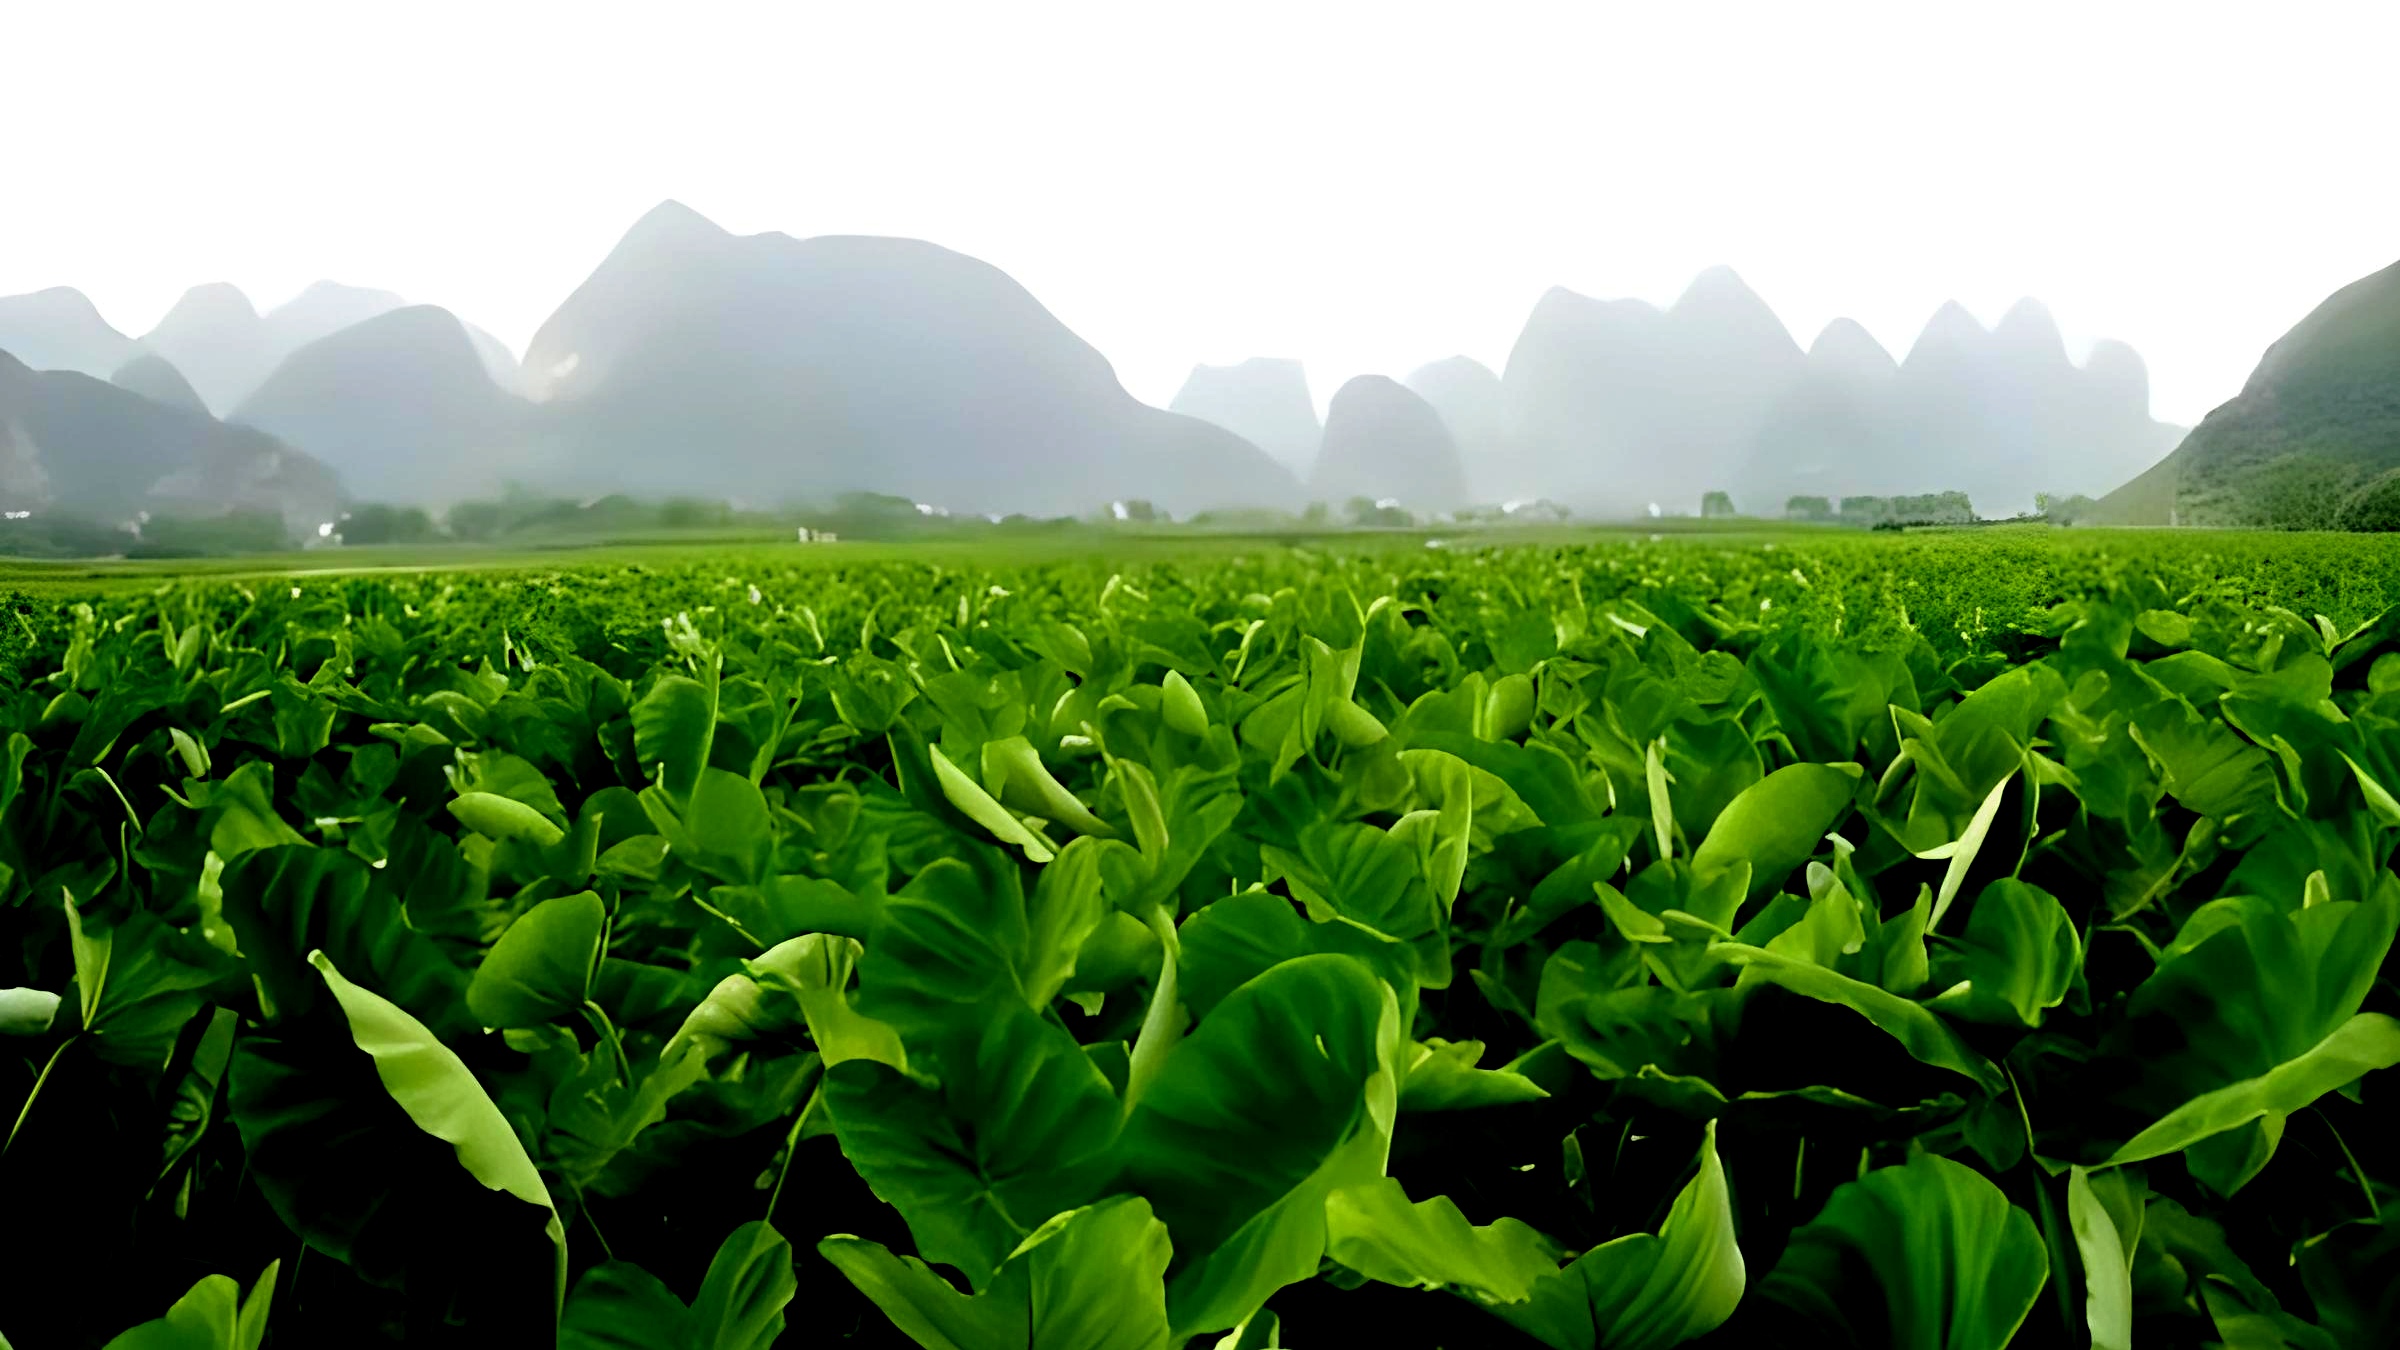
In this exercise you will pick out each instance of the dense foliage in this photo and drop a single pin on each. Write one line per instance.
(1831, 940)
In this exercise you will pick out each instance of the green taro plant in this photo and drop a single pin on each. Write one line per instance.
(1926, 941)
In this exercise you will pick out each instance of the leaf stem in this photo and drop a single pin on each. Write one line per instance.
(2364, 1185)
(791, 1145)
(27, 1108)
(608, 1033)
(584, 1207)
(1162, 1025)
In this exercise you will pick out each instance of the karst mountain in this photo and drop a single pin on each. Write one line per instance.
(74, 444)
(766, 368)
(60, 329)
(1385, 443)
(1263, 400)
(2317, 421)
(401, 407)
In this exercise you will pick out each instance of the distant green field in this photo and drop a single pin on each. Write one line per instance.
(1960, 587)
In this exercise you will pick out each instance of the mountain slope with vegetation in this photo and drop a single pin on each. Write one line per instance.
(155, 378)
(74, 444)
(2317, 422)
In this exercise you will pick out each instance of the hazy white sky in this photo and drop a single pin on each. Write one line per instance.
(1366, 187)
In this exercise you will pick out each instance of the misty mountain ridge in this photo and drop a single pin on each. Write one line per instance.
(60, 329)
(401, 406)
(766, 368)
(1617, 407)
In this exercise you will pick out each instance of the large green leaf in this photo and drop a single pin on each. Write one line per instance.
(1442, 1076)
(286, 902)
(2107, 1255)
(1087, 1279)
(2019, 955)
(139, 982)
(800, 982)
(620, 1306)
(212, 1316)
(2365, 1043)
(1375, 1231)
(1285, 1093)
(429, 1082)
(1370, 878)
(2252, 1013)
(542, 967)
(674, 730)
(1921, 1033)
(1018, 1130)
(1778, 821)
(1644, 1291)
(1241, 937)
(1925, 1256)
(954, 939)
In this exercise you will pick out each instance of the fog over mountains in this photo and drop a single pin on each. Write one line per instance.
(394, 405)
(766, 369)
(1383, 441)
(1263, 400)
(1615, 405)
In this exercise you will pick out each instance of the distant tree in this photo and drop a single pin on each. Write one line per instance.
(1931, 508)
(476, 520)
(1317, 513)
(1370, 513)
(1864, 510)
(1717, 506)
(198, 536)
(2063, 510)
(378, 523)
(1139, 511)
(1807, 508)
(692, 513)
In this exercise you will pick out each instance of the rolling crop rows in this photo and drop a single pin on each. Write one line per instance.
(1890, 943)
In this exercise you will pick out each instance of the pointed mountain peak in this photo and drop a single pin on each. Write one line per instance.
(1264, 400)
(2116, 370)
(1721, 311)
(1452, 370)
(213, 301)
(2028, 328)
(1718, 288)
(155, 378)
(2117, 362)
(54, 300)
(1951, 329)
(426, 331)
(1573, 309)
(671, 221)
(1846, 345)
(326, 293)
